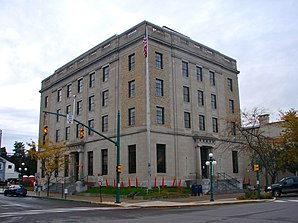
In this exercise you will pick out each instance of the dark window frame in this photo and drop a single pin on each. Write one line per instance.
(132, 159)
(161, 158)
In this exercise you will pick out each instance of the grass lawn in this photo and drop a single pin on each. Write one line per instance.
(155, 192)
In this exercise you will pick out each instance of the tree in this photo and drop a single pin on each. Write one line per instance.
(52, 159)
(288, 159)
(252, 137)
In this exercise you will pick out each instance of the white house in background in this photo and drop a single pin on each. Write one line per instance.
(9, 168)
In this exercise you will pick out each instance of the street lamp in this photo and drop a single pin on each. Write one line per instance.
(211, 162)
(22, 167)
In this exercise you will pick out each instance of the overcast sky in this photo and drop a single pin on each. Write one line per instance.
(38, 37)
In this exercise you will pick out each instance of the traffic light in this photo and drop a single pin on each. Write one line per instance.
(82, 132)
(256, 167)
(45, 130)
(119, 169)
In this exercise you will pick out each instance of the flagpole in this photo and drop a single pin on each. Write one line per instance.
(148, 107)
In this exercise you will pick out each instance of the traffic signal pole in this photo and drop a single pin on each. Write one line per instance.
(116, 143)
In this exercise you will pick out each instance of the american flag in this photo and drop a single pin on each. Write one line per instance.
(145, 44)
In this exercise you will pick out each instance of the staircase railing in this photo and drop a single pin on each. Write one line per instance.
(229, 179)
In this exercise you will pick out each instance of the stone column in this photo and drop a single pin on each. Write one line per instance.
(81, 165)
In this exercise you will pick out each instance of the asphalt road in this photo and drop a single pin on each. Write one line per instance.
(29, 209)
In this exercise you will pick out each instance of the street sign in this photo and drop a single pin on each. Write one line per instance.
(69, 119)
(100, 178)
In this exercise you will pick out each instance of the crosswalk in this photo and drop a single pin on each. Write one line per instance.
(286, 200)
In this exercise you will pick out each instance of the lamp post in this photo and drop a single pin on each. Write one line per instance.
(211, 162)
(21, 168)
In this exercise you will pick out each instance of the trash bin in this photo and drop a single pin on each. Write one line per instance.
(200, 189)
(194, 190)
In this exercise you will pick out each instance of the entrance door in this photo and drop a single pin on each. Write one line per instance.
(204, 158)
(76, 166)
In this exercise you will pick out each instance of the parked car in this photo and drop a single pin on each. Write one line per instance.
(285, 186)
(17, 190)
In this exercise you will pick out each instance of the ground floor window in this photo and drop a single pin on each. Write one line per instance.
(90, 163)
(132, 159)
(104, 161)
(161, 158)
(66, 165)
(235, 161)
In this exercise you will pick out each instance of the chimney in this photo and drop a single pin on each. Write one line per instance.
(264, 119)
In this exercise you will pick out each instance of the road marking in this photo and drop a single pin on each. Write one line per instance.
(55, 210)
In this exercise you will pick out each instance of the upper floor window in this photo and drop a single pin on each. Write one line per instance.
(57, 135)
(187, 120)
(231, 106)
(160, 115)
(233, 128)
(184, 69)
(104, 123)
(91, 125)
(79, 107)
(131, 62)
(91, 104)
(131, 116)
(230, 84)
(158, 60)
(57, 116)
(200, 98)
(201, 122)
(46, 101)
(212, 78)
(67, 133)
(199, 73)
(91, 79)
(68, 107)
(105, 97)
(213, 101)
(68, 91)
(186, 94)
(80, 85)
(105, 73)
(159, 87)
(59, 95)
(131, 89)
(214, 125)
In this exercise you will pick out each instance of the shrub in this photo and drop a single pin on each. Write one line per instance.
(253, 195)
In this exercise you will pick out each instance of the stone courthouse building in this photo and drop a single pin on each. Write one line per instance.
(175, 97)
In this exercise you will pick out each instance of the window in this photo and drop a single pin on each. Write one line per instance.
(185, 94)
(77, 130)
(131, 116)
(68, 107)
(80, 85)
(132, 159)
(59, 95)
(79, 107)
(158, 60)
(201, 122)
(131, 89)
(66, 165)
(187, 120)
(160, 115)
(231, 106)
(104, 123)
(46, 101)
(104, 161)
(161, 158)
(105, 74)
(91, 79)
(91, 103)
(68, 90)
(233, 128)
(230, 84)
(213, 101)
(235, 161)
(9, 167)
(105, 97)
(199, 73)
(159, 87)
(184, 69)
(57, 116)
(214, 125)
(91, 125)
(43, 167)
(57, 135)
(131, 62)
(212, 78)
(200, 98)
(67, 133)
(90, 163)
(1, 167)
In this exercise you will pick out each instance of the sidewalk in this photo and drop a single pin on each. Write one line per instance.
(162, 203)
